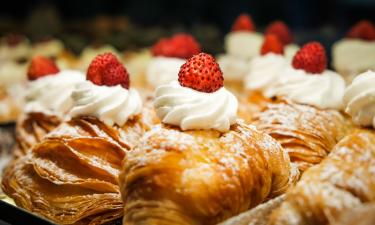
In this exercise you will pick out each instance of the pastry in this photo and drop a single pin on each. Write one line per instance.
(355, 53)
(263, 76)
(169, 54)
(136, 63)
(282, 31)
(306, 117)
(47, 100)
(70, 177)
(15, 48)
(242, 44)
(48, 47)
(343, 181)
(201, 165)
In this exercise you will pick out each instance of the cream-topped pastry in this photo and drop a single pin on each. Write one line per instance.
(359, 99)
(106, 95)
(356, 52)
(48, 48)
(169, 55)
(51, 94)
(198, 100)
(14, 48)
(12, 73)
(267, 69)
(309, 82)
(242, 44)
(282, 31)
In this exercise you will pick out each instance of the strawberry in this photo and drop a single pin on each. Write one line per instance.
(363, 30)
(201, 73)
(272, 44)
(311, 58)
(243, 23)
(281, 30)
(180, 45)
(41, 66)
(105, 69)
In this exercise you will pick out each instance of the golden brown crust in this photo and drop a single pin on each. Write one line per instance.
(70, 177)
(201, 177)
(307, 133)
(31, 128)
(342, 181)
(251, 104)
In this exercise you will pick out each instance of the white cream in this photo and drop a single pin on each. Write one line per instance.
(324, 90)
(265, 73)
(163, 70)
(243, 44)
(52, 94)
(51, 48)
(110, 104)
(234, 68)
(353, 56)
(359, 99)
(21, 50)
(12, 73)
(290, 51)
(191, 109)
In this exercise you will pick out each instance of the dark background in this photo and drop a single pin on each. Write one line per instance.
(138, 23)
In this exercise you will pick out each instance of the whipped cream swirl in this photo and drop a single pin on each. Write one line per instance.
(52, 94)
(234, 68)
(163, 70)
(265, 73)
(353, 56)
(191, 109)
(243, 44)
(359, 99)
(324, 90)
(112, 105)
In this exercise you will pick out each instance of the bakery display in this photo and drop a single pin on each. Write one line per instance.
(134, 121)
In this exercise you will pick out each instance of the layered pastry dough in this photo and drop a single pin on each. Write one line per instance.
(307, 133)
(201, 176)
(70, 177)
(344, 180)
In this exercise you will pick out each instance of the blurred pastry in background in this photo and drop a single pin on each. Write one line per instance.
(48, 47)
(136, 63)
(242, 44)
(282, 31)
(265, 72)
(15, 48)
(355, 53)
(169, 55)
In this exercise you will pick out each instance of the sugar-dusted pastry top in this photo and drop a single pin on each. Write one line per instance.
(342, 181)
(52, 94)
(201, 176)
(359, 99)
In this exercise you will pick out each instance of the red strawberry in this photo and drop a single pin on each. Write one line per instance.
(41, 66)
(281, 30)
(105, 69)
(180, 46)
(363, 30)
(201, 73)
(272, 44)
(311, 58)
(243, 23)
